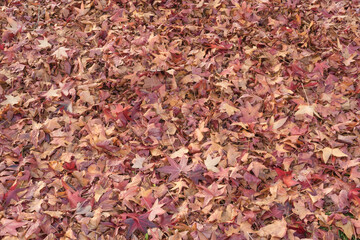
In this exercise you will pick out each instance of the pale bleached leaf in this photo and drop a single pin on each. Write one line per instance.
(279, 123)
(211, 163)
(138, 161)
(326, 154)
(11, 100)
(338, 153)
(277, 229)
(60, 53)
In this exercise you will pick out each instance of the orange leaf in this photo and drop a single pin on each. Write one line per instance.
(289, 182)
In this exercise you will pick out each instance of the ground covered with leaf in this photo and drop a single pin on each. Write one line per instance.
(186, 119)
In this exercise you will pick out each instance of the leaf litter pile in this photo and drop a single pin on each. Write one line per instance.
(218, 119)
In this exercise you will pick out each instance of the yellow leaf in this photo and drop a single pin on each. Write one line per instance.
(95, 220)
(57, 166)
(277, 67)
(155, 152)
(179, 153)
(276, 229)
(224, 85)
(305, 109)
(70, 234)
(52, 93)
(300, 210)
(11, 100)
(232, 155)
(54, 214)
(347, 228)
(256, 167)
(338, 153)
(171, 128)
(326, 154)
(230, 110)
(99, 192)
(82, 10)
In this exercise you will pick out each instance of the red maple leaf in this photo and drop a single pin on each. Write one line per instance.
(138, 222)
(73, 196)
(70, 166)
(298, 226)
(286, 177)
(175, 169)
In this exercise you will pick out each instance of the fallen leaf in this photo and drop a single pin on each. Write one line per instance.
(286, 177)
(350, 59)
(190, 78)
(338, 153)
(95, 220)
(327, 152)
(35, 205)
(156, 210)
(138, 222)
(11, 100)
(347, 228)
(175, 169)
(60, 53)
(73, 196)
(34, 227)
(179, 153)
(44, 44)
(9, 226)
(211, 163)
(86, 96)
(277, 229)
(305, 110)
(300, 210)
(230, 110)
(256, 168)
(54, 214)
(138, 161)
(52, 93)
(279, 123)
(15, 26)
(82, 11)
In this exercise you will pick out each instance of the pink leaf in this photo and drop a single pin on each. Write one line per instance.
(9, 226)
